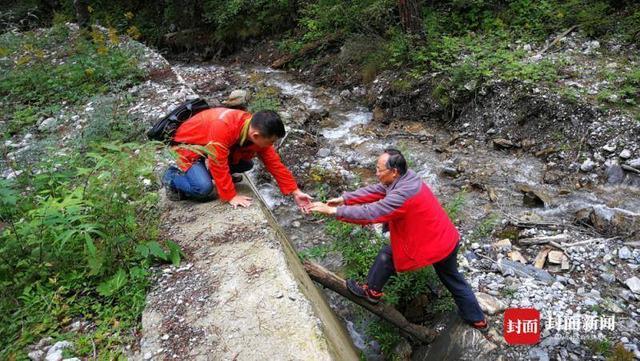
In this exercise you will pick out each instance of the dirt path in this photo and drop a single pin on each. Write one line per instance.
(236, 299)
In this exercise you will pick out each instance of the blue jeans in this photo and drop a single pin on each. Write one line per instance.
(447, 271)
(196, 183)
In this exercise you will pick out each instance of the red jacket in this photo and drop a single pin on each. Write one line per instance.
(221, 130)
(421, 232)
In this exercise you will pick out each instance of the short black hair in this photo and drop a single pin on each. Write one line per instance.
(268, 124)
(396, 160)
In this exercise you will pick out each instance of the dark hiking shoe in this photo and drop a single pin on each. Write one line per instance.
(172, 193)
(363, 291)
(482, 326)
(236, 178)
(209, 197)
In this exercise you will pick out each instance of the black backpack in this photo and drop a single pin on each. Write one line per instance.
(165, 128)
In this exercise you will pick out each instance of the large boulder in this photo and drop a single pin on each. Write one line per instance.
(457, 342)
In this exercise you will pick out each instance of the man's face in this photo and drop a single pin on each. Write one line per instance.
(385, 175)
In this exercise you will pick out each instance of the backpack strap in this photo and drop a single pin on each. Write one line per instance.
(244, 133)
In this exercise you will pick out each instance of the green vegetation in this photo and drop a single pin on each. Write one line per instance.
(315, 252)
(485, 228)
(600, 346)
(265, 98)
(78, 225)
(385, 334)
(465, 44)
(454, 207)
(78, 245)
(469, 43)
(50, 68)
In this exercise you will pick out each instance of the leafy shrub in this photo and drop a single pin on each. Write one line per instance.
(110, 121)
(236, 21)
(385, 334)
(79, 242)
(265, 99)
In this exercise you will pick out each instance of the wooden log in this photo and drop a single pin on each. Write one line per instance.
(541, 258)
(556, 40)
(566, 265)
(383, 310)
(630, 168)
(517, 256)
(544, 240)
(555, 257)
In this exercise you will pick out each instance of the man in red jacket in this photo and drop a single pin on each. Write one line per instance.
(421, 232)
(228, 140)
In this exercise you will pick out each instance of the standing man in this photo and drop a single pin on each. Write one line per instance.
(231, 138)
(421, 233)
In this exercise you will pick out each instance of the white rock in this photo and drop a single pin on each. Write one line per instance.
(323, 152)
(625, 154)
(148, 356)
(624, 253)
(635, 163)
(47, 124)
(59, 346)
(36, 355)
(490, 304)
(634, 284)
(54, 356)
(587, 165)
(609, 148)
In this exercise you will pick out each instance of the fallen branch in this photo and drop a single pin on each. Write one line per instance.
(550, 240)
(556, 40)
(588, 241)
(630, 168)
(383, 310)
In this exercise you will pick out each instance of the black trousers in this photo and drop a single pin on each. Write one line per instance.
(241, 167)
(447, 271)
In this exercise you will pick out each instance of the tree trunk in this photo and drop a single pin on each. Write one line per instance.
(383, 310)
(82, 13)
(410, 18)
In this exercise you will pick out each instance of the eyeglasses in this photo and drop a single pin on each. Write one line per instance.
(378, 170)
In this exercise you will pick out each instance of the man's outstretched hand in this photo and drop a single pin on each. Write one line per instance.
(239, 200)
(334, 202)
(303, 200)
(322, 208)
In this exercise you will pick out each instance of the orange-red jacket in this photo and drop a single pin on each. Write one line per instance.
(221, 131)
